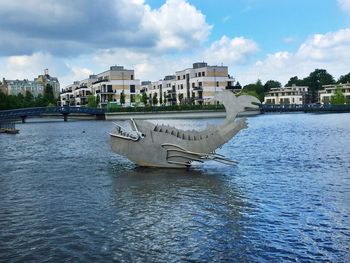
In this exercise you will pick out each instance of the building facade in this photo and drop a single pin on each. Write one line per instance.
(15, 87)
(36, 87)
(109, 87)
(287, 95)
(46, 79)
(329, 90)
(193, 85)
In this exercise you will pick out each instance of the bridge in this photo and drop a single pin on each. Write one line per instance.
(304, 108)
(42, 111)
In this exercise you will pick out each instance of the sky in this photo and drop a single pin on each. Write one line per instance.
(256, 39)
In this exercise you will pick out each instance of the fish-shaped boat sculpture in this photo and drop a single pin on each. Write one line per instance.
(149, 144)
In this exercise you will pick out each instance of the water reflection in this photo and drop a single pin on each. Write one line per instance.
(175, 214)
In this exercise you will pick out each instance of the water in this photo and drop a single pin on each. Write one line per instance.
(65, 197)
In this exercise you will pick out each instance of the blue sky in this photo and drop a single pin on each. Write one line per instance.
(257, 39)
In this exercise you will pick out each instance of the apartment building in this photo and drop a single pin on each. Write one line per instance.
(193, 85)
(287, 95)
(15, 87)
(111, 84)
(329, 90)
(36, 87)
(108, 86)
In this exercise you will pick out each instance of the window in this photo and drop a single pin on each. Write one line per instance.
(132, 77)
(183, 77)
(178, 77)
(132, 88)
(203, 74)
(195, 75)
(199, 74)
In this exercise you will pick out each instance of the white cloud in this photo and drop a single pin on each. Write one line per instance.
(230, 51)
(30, 66)
(344, 4)
(329, 51)
(180, 25)
(74, 27)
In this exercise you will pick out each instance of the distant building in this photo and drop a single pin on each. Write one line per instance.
(36, 87)
(329, 90)
(46, 79)
(107, 86)
(193, 85)
(287, 95)
(15, 87)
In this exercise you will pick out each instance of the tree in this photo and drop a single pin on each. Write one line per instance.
(295, 81)
(155, 99)
(144, 98)
(92, 101)
(316, 80)
(122, 98)
(344, 79)
(48, 94)
(338, 97)
(270, 84)
(257, 89)
(28, 99)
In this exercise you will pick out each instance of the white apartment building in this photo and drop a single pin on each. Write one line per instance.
(287, 95)
(107, 86)
(112, 83)
(197, 84)
(329, 90)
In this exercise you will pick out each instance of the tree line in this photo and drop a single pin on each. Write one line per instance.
(315, 80)
(28, 100)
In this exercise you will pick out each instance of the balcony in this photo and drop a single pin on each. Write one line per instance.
(101, 80)
(198, 88)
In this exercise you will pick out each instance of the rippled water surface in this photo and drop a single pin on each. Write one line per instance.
(65, 197)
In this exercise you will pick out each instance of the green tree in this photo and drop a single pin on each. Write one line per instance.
(344, 79)
(48, 94)
(316, 80)
(39, 101)
(122, 98)
(256, 88)
(155, 99)
(295, 81)
(271, 84)
(144, 98)
(338, 98)
(28, 99)
(92, 101)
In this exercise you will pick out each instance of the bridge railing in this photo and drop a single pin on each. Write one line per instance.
(305, 107)
(49, 110)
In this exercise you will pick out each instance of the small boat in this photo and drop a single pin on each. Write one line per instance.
(149, 144)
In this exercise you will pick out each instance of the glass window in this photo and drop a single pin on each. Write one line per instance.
(132, 88)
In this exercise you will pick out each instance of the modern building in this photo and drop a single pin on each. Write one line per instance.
(193, 85)
(287, 95)
(108, 86)
(329, 90)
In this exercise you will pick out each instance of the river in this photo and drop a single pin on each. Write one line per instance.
(66, 197)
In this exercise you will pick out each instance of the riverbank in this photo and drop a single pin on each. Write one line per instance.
(189, 114)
